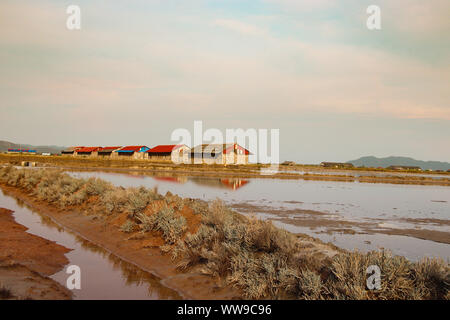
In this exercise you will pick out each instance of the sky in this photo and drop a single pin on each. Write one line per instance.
(139, 69)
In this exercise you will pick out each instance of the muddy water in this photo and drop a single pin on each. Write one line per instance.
(103, 276)
(365, 209)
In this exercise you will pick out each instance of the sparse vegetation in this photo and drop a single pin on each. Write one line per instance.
(5, 293)
(128, 226)
(260, 259)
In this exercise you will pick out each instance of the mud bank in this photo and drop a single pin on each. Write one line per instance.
(27, 261)
(316, 219)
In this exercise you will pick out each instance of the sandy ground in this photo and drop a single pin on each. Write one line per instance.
(27, 260)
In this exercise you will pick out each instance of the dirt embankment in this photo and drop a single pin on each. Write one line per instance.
(27, 261)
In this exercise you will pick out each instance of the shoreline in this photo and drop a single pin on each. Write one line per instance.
(238, 171)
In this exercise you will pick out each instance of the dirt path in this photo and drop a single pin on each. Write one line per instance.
(27, 261)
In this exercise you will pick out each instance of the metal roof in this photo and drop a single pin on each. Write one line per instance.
(131, 148)
(87, 149)
(108, 149)
(165, 148)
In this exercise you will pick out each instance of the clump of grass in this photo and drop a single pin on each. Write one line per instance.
(251, 254)
(262, 260)
(139, 199)
(96, 186)
(114, 200)
(128, 226)
(5, 293)
(432, 278)
(198, 206)
(165, 220)
(349, 275)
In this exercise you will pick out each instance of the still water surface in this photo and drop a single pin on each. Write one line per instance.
(383, 205)
(103, 276)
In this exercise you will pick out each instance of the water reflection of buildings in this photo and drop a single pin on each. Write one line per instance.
(228, 183)
(234, 183)
(179, 179)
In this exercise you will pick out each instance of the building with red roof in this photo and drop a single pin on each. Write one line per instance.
(135, 152)
(85, 151)
(177, 153)
(70, 150)
(227, 153)
(107, 151)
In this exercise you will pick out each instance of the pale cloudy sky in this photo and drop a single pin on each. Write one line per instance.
(138, 69)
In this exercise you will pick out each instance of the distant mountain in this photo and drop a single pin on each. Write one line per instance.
(405, 161)
(5, 145)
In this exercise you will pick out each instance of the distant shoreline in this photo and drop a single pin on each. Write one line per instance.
(297, 171)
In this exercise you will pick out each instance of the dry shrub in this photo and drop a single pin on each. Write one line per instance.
(139, 199)
(96, 186)
(114, 200)
(432, 278)
(349, 276)
(198, 206)
(252, 254)
(128, 226)
(171, 225)
(5, 293)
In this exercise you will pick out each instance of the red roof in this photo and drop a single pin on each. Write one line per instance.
(164, 148)
(108, 149)
(87, 149)
(246, 152)
(132, 148)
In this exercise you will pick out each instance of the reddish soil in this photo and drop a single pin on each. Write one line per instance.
(27, 260)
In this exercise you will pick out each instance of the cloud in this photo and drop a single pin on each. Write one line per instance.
(240, 27)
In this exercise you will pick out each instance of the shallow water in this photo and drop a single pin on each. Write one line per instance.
(103, 276)
(370, 174)
(383, 205)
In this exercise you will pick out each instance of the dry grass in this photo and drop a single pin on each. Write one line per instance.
(5, 293)
(128, 227)
(252, 255)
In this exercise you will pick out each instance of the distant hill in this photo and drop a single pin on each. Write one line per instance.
(405, 161)
(5, 145)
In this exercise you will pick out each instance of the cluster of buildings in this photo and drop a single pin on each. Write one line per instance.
(336, 165)
(228, 153)
(27, 151)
